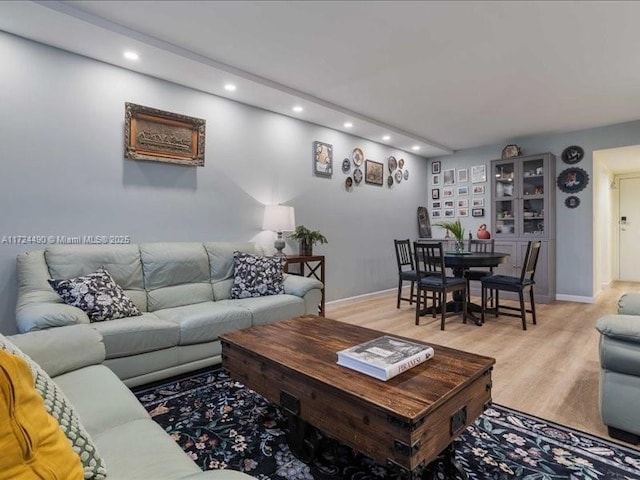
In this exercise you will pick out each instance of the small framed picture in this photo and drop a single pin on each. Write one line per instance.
(463, 203)
(450, 176)
(447, 192)
(463, 175)
(435, 179)
(478, 173)
(463, 190)
(435, 193)
(477, 212)
(449, 213)
(436, 205)
(448, 203)
(435, 168)
(478, 189)
(436, 213)
(322, 159)
(463, 212)
(477, 202)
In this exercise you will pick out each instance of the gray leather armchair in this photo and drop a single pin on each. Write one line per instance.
(620, 369)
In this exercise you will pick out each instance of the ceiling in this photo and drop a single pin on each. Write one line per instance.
(443, 76)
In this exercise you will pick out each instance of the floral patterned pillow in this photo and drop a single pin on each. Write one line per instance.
(257, 275)
(98, 295)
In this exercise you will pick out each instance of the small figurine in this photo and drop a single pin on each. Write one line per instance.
(483, 233)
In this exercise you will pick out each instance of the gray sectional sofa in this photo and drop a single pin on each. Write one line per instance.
(183, 290)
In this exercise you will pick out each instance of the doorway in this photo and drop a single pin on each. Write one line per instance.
(629, 229)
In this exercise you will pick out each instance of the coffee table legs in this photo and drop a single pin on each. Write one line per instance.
(302, 438)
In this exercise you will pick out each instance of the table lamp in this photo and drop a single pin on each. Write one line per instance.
(279, 218)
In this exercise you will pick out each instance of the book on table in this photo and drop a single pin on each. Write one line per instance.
(385, 357)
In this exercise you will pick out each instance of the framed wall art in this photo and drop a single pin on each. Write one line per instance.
(435, 179)
(573, 180)
(447, 192)
(463, 190)
(450, 213)
(436, 213)
(477, 202)
(373, 172)
(478, 189)
(477, 212)
(478, 173)
(450, 177)
(463, 212)
(463, 203)
(436, 205)
(160, 136)
(435, 193)
(322, 159)
(463, 175)
(435, 168)
(448, 203)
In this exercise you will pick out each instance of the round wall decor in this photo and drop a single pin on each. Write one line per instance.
(348, 182)
(357, 176)
(390, 181)
(572, 201)
(406, 174)
(358, 157)
(392, 163)
(346, 165)
(573, 180)
(572, 154)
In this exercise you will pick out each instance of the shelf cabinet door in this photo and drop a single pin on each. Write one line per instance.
(532, 208)
(504, 194)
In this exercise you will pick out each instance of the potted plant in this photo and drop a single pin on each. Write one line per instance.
(307, 239)
(456, 230)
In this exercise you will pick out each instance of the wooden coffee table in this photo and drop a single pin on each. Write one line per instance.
(404, 422)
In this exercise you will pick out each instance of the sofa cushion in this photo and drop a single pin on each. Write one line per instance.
(205, 322)
(222, 264)
(257, 275)
(122, 262)
(31, 441)
(133, 335)
(97, 294)
(59, 407)
(175, 274)
(269, 309)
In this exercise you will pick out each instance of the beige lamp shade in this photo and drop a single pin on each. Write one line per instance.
(279, 218)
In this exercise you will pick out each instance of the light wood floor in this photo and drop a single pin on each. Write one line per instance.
(551, 370)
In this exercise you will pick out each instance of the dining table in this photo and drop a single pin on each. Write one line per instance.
(459, 262)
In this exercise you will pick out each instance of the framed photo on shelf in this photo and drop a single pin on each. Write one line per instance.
(449, 213)
(436, 213)
(478, 189)
(477, 202)
(450, 176)
(435, 168)
(435, 179)
(463, 203)
(478, 173)
(447, 192)
(448, 203)
(463, 175)
(463, 190)
(436, 205)
(435, 193)
(477, 212)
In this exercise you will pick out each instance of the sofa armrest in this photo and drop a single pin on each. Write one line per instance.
(63, 349)
(620, 327)
(39, 316)
(299, 285)
(629, 304)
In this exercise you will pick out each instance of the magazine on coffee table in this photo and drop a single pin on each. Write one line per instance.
(385, 357)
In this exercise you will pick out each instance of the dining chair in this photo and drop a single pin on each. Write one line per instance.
(479, 245)
(430, 266)
(406, 269)
(514, 284)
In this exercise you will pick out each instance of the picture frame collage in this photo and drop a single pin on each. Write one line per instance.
(457, 192)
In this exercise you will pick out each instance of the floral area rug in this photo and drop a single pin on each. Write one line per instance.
(220, 423)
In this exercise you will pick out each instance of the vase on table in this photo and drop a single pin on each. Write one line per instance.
(459, 246)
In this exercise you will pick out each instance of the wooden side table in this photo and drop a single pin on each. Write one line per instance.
(309, 266)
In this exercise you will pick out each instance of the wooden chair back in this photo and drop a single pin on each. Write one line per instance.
(429, 258)
(404, 255)
(530, 261)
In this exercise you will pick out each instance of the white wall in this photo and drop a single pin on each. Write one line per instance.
(63, 172)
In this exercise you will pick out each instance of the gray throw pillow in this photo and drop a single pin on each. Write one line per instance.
(257, 275)
(97, 294)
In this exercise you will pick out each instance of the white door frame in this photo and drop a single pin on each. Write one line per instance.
(616, 212)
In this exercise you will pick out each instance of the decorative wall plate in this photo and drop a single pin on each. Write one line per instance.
(572, 154)
(572, 201)
(399, 176)
(401, 163)
(348, 182)
(573, 180)
(346, 165)
(357, 176)
(390, 180)
(392, 163)
(357, 156)
(406, 174)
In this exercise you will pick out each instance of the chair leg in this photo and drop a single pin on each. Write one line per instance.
(411, 296)
(483, 302)
(418, 307)
(523, 312)
(433, 310)
(443, 309)
(533, 305)
(497, 302)
(464, 307)
(399, 293)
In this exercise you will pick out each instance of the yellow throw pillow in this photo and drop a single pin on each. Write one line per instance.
(31, 442)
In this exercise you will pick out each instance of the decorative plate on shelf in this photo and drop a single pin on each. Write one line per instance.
(390, 180)
(346, 165)
(572, 154)
(399, 176)
(406, 174)
(573, 180)
(392, 163)
(357, 176)
(401, 163)
(348, 182)
(357, 156)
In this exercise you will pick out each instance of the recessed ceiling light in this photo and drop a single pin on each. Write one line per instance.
(386, 138)
(129, 55)
(348, 124)
(415, 147)
(298, 109)
(230, 87)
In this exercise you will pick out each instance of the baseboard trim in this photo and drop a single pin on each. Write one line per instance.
(574, 298)
(359, 298)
